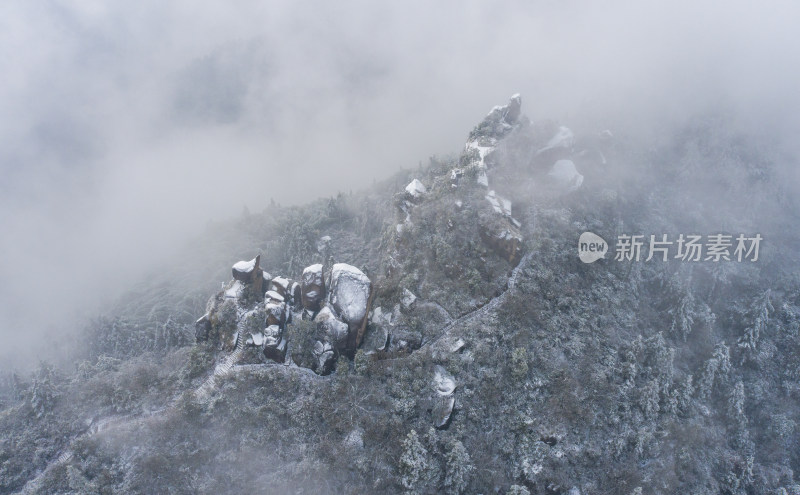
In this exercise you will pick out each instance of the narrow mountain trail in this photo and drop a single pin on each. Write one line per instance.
(490, 306)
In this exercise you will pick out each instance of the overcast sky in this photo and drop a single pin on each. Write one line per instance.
(126, 126)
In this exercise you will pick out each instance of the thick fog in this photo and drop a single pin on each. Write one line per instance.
(127, 126)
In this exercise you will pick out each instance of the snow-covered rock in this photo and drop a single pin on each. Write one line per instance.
(324, 357)
(483, 140)
(235, 290)
(249, 272)
(375, 339)
(313, 288)
(566, 175)
(271, 294)
(332, 328)
(274, 344)
(564, 138)
(276, 312)
(502, 236)
(202, 327)
(443, 382)
(280, 285)
(415, 189)
(408, 298)
(355, 439)
(255, 339)
(349, 296)
(295, 293)
(442, 411)
(499, 204)
(323, 244)
(444, 386)
(242, 270)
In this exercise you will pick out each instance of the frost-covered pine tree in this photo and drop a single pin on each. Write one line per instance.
(459, 467)
(43, 390)
(761, 309)
(414, 463)
(517, 490)
(716, 369)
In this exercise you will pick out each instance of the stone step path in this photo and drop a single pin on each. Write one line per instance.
(203, 391)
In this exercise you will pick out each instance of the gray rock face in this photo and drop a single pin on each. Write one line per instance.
(350, 294)
(313, 287)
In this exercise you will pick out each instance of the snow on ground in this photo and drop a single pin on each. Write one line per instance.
(235, 290)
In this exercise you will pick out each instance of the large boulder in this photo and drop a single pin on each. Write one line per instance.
(313, 288)
(350, 298)
(249, 272)
(415, 189)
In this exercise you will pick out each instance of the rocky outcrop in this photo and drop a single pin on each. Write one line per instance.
(340, 323)
(233, 315)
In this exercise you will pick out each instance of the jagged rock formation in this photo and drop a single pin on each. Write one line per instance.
(338, 322)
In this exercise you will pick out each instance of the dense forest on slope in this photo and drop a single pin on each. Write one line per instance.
(617, 377)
